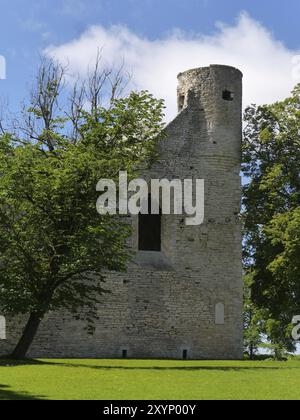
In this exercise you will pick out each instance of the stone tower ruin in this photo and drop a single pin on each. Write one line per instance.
(182, 295)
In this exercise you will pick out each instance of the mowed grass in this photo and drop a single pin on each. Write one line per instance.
(149, 379)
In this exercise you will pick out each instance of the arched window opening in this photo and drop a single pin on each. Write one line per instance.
(220, 314)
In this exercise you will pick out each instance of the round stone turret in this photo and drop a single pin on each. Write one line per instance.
(214, 96)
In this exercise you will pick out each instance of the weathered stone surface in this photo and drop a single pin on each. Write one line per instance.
(166, 303)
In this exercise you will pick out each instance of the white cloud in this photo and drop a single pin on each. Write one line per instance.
(267, 64)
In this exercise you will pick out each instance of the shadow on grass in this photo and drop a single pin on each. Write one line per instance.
(178, 368)
(54, 363)
(6, 362)
(6, 393)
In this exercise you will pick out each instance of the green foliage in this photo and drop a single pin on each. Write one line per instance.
(271, 156)
(54, 246)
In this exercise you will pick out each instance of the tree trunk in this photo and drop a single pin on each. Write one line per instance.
(28, 336)
(251, 352)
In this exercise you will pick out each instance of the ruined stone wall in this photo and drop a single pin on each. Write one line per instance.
(166, 303)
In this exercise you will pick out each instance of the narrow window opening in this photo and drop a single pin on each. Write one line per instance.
(220, 314)
(227, 95)
(150, 231)
(2, 328)
(184, 354)
(124, 354)
(181, 100)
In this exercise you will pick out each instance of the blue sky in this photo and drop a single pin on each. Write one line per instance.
(29, 27)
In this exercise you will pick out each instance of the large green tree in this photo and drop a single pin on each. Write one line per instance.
(54, 246)
(271, 156)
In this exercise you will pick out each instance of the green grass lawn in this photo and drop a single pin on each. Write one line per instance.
(148, 379)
